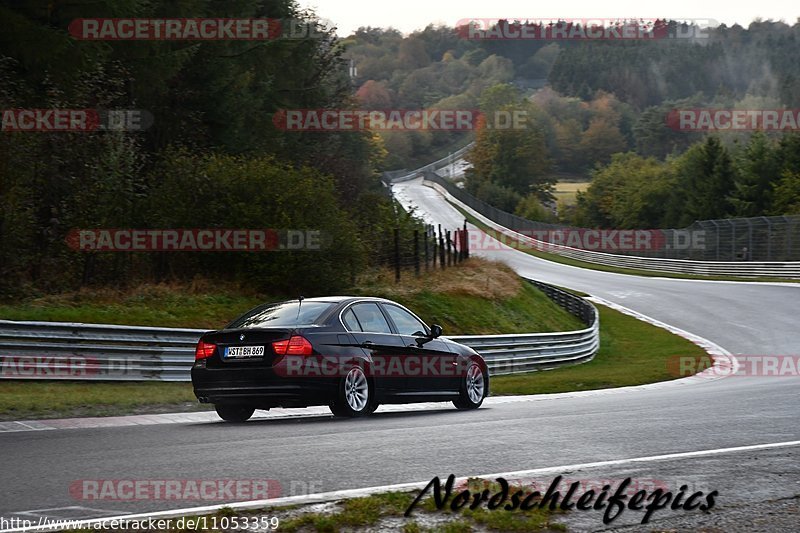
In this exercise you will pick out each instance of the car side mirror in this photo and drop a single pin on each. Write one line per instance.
(436, 331)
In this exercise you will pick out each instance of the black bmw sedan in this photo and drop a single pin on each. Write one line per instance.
(350, 353)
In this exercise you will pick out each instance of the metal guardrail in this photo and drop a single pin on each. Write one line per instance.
(436, 165)
(73, 351)
(788, 269)
(69, 351)
(513, 354)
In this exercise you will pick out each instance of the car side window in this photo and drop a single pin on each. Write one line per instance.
(407, 324)
(370, 317)
(350, 321)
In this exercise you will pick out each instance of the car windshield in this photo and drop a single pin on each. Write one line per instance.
(282, 314)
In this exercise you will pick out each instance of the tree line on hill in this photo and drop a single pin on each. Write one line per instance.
(210, 159)
(590, 102)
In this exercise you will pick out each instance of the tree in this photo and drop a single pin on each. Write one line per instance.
(569, 156)
(496, 69)
(514, 158)
(374, 95)
(787, 195)
(707, 174)
(498, 97)
(758, 169)
(630, 192)
(412, 54)
(531, 208)
(600, 140)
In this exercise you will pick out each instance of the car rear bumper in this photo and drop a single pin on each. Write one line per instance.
(260, 388)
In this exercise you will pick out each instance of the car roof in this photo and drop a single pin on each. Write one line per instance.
(340, 299)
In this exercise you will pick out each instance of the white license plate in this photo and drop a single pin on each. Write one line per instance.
(238, 352)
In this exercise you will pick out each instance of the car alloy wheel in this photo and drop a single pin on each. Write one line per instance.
(475, 384)
(473, 388)
(356, 389)
(354, 395)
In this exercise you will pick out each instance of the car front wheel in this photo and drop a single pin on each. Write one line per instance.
(353, 397)
(473, 388)
(234, 413)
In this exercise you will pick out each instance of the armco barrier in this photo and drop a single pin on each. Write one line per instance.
(480, 210)
(436, 165)
(512, 354)
(58, 350)
(71, 351)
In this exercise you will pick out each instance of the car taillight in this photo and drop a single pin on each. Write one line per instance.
(297, 345)
(204, 350)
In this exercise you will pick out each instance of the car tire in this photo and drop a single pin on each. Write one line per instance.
(473, 388)
(353, 395)
(234, 413)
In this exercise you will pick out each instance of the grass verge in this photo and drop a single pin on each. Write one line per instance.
(555, 258)
(477, 297)
(199, 305)
(385, 512)
(566, 191)
(20, 400)
(631, 352)
(379, 512)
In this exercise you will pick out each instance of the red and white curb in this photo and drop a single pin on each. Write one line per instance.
(725, 363)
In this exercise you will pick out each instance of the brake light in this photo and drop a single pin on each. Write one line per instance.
(297, 345)
(204, 350)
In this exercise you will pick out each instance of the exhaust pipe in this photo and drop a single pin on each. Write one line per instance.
(203, 399)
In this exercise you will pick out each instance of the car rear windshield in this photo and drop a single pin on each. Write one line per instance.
(282, 314)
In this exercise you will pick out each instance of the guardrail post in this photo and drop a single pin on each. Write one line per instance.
(441, 248)
(416, 252)
(434, 247)
(449, 253)
(769, 238)
(716, 232)
(396, 254)
(466, 240)
(425, 246)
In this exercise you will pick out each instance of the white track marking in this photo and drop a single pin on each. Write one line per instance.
(356, 493)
